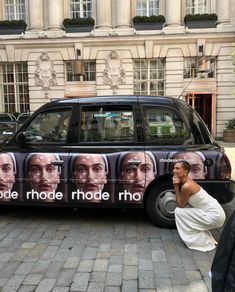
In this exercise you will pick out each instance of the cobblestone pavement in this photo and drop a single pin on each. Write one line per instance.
(61, 250)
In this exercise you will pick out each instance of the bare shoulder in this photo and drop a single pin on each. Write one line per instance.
(191, 186)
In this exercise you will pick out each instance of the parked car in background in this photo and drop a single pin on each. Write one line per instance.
(114, 151)
(8, 126)
(22, 118)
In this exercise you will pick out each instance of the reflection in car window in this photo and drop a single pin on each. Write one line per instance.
(163, 124)
(49, 126)
(107, 125)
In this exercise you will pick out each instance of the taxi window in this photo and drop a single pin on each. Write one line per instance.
(103, 124)
(49, 127)
(164, 124)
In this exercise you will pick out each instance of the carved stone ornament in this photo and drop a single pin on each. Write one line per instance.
(45, 75)
(113, 74)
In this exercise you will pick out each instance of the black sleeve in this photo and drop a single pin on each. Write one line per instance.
(225, 249)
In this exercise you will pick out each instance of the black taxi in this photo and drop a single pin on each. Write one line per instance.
(111, 151)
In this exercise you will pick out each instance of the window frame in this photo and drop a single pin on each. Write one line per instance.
(158, 82)
(167, 140)
(107, 108)
(80, 77)
(16, 14)
(194, 8)
(147, 10)
(15, 87)
(80, 12)
(194, 71)
(66, 111)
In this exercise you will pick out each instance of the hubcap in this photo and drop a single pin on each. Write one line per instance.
(166, 204)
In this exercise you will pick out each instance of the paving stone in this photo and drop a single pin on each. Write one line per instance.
(146, 279)
(130, 259)
(13, 283)
(80, 282)
(65, 277)
(61, 289)
(101, 265)
(33, 279)
(115, 268)
(98, 277)
(114, 279)
(112, 289)
(159, 256)
(131, 248)
(86, 265)
(145, 265)
(130, 273)
(29, 245)
(95, 287)
(129, 286)
(46, 285)
(72, 262)
(24, 268)
(26, 288)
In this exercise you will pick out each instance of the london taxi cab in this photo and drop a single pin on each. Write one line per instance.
(111, 151)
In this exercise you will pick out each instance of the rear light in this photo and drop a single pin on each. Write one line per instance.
(225, 169)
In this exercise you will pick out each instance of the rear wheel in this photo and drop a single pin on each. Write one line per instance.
(160, 205)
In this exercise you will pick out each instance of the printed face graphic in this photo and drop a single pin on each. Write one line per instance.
(89, 173)
(7, 174)
(197, 166)
(136, 176)
(43, 175)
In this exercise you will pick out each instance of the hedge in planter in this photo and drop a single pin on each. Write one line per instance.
(82, 24)
(148, 22)
(12, 26)
(205, 20)
(229, 131)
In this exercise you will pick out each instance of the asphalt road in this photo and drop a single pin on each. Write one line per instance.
(59, 250)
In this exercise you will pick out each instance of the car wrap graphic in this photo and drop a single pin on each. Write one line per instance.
(95, 178)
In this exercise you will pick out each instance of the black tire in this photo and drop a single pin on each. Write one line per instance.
(160, 205)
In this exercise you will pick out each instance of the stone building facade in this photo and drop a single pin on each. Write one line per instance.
(46, 62)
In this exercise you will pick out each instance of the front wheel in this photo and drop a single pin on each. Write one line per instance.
(160, 205)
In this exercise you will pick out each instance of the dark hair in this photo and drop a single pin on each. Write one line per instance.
(186, 165)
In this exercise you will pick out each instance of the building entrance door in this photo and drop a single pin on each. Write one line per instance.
(203, 104)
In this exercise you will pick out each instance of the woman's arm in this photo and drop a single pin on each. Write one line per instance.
(182, 192)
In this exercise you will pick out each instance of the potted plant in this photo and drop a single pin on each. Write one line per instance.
(12, 26)
(205, 20)
(81, 24)
(148, 22)
(229, 131)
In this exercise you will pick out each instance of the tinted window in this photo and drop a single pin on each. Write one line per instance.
(49, 126)
(104, 124)
(161, 123)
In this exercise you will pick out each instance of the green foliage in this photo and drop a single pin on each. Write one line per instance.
(79, 21)
(230, 124)
(13, 23)
(198, 17)
(148, 19)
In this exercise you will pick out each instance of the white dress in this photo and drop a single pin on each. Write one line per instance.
(194, 221)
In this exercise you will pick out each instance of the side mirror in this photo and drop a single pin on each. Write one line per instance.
(21, 138)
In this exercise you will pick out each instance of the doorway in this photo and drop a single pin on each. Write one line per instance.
(203, 104)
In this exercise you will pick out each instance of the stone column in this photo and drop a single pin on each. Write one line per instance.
(55, 14)
(223, 11)
(103, 14)
(123, 13)
(36, 15)
(173, 13)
